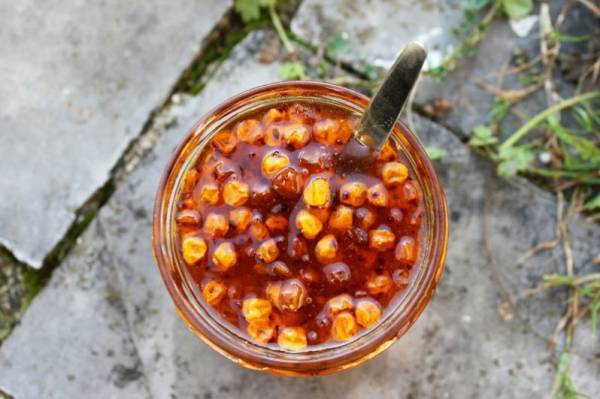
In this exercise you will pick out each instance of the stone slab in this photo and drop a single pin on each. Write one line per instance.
(378, 34)
(79, 81)
(467, 343)
(74, 341)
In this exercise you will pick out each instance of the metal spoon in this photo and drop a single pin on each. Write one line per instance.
(378, 121)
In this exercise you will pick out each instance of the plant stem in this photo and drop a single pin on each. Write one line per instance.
(533, 122)
(279, 28)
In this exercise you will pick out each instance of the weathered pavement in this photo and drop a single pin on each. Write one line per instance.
(79, 81)
(105, 326)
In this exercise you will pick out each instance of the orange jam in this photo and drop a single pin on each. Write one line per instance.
(282, 247)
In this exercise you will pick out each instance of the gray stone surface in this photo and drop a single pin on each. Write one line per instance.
(429, 22)
(377, 29)
(376, 36)
(463, 346)
(79, 80)
(75, 341)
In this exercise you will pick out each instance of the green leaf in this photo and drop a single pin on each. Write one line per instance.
(516, 9)
(249, 10)
(482, 136)
(593, 204)
(436, 154)
(587, 149)
(292, 71)
(514, 160)
(474, 4)
(583, 119)
(499, 109)
(337, 46)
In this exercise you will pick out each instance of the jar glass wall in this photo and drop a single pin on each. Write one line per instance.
(320, 359)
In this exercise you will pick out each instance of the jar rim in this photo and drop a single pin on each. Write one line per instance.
(309, 361)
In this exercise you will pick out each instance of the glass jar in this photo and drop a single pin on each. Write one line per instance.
(398, 317)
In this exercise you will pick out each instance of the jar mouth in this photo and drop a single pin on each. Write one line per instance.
(225, 338)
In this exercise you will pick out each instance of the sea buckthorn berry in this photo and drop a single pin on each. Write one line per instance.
(308, 224)
(235, 193)
(256, 308)
(317, 192)
(400, 278)
(272, 291)
(193, 249)
(292, 295)
(209, 194)
(410, 192)
(224, 256)
(387, 153)
(240, 218)
(273, 136)
(381, 238)
(406, 250)
(325, 131)
(367, 312)
(303, 114)
(321, 213)
(343, 326)
(340, 303)
(213, 291)
(296, 135)
(273, 115)
(316, 158)
(353, 193)
(337, 273)
(396, 216)
(277, 223)
(249, 131)
(279, 269)
(261, 194)
(267, 252)
(292, 338)
(360, 236)
(416, 217)
(188, 216)
(345, 131)
(297, 247)
(191, 178)
(273, 162)
(377, 195)
(216, 225)
(225, 142)
(287, 183)
(258, 231)
(224, 169)
(326, 249)
(365, 218)
(394, 173)
(341, 218)
(379, 284)
(261, 330)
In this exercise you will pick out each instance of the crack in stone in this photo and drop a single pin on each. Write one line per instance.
(138, 147)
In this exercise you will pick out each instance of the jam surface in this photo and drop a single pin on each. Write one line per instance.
(283, 248)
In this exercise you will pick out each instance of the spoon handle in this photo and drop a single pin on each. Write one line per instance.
(385, 106)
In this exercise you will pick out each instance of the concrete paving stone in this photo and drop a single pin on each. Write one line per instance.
(466, 344)
(74, 340)
(377, 29)
(79, 80)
